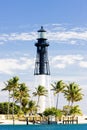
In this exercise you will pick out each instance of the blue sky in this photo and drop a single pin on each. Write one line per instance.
(66, 25)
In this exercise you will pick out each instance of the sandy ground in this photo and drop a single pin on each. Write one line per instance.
(7, 122)
(11, 122)
(81, 120)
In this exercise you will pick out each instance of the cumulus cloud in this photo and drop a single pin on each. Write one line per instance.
(60, 65)
(61, 61)
(67, 35)
(55, 32)
(18, 36)
(8, 66)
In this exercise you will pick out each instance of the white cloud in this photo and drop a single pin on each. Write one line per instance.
(61, 61)
(8, 66)
(55, 32)
(60, 66)
(18, 36)
(83, 64)
(67, 35)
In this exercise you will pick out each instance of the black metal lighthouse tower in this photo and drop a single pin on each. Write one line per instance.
(42, 63)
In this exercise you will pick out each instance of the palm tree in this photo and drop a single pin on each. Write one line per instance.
(73, 93)
(24, 102)
(14, 85)
(21, 93)
(58, 87)
(75, 110)
(40, 91)
(9, 89)
(32, 107)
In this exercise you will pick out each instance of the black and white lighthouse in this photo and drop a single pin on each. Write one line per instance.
(42, 69)
(42, 63)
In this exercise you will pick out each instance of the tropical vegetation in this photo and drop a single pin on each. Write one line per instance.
(20, 101)
(53, 112)
(73, 93)
(4, 108)
(58, 87)
(40, 91)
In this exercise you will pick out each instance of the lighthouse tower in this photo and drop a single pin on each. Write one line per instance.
(42, 70)
(42, 63)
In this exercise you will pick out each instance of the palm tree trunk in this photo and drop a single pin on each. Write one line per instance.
(38, 103)
(13, 108)
(38, 100)
(68, 111)
(71, 103)
(8, 104)
(57, 101)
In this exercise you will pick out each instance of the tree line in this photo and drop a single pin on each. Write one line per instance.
(20, 102)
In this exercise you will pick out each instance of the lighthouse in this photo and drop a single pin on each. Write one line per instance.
(42, 63)
(42, 69)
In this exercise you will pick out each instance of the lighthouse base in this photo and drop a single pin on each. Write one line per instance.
(45, 101)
